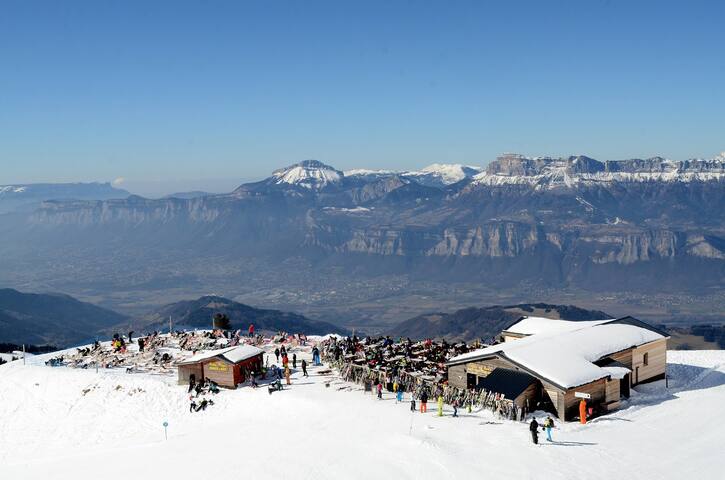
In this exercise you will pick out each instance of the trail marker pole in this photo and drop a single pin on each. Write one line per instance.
(166, 424)
(667, 383)
(169, 324)
(23, 354)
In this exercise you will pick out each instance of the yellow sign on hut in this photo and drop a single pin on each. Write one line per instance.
(217, 366)
(480, 369)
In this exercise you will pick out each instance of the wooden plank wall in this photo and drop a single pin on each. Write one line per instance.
(657, 360)
(624, 357)
(186, 370)
(480, 369)
(556, 395)
(457, 376)
(612, 393)
(531, 394)
(220, 371)
(510, 337)
(596, 389)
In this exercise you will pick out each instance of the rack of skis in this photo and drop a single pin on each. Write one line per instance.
(416, 383)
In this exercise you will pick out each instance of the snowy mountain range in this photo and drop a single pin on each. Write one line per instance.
(547, 172)
(315, 175)
(435, 175)
(634, 225)
(514, 169)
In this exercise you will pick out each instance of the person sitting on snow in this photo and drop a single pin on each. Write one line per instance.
(213, 387)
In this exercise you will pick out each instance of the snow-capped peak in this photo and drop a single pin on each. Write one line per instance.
(450, 173)
(311, 174)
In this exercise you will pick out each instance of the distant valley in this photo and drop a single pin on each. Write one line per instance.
(59, 321)
(370, 248)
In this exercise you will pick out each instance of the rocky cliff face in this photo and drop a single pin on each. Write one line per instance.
(575, 171)
(546, 217)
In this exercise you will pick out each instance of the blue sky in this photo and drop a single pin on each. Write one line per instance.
(211, 91)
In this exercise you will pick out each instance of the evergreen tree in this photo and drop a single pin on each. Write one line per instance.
(222, 321)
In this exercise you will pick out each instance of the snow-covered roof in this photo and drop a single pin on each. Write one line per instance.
(536, 325)
(231, 354)
(242, 352)
(566, 358)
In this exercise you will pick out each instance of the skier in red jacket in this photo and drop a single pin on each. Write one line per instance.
(251, 329)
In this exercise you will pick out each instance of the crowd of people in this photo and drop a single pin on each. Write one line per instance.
(379, 364)
(152, 353)
(417, 368)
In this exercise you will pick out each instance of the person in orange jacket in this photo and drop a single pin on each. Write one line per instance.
(583, 411)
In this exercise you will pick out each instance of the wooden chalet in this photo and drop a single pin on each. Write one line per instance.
(228, 367)
(552, 364)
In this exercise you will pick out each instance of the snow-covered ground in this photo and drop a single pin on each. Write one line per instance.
(61, 423)
(9, 357)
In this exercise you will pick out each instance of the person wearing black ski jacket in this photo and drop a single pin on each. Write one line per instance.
(424, 402)
(534, 429)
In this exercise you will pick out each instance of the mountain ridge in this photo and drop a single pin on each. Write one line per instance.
(197, 313)
(51, 318)
(59, 319)
(592, 234)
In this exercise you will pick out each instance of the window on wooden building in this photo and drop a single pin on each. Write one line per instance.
(645, 359)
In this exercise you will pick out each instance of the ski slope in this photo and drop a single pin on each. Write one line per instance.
(62, 423)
